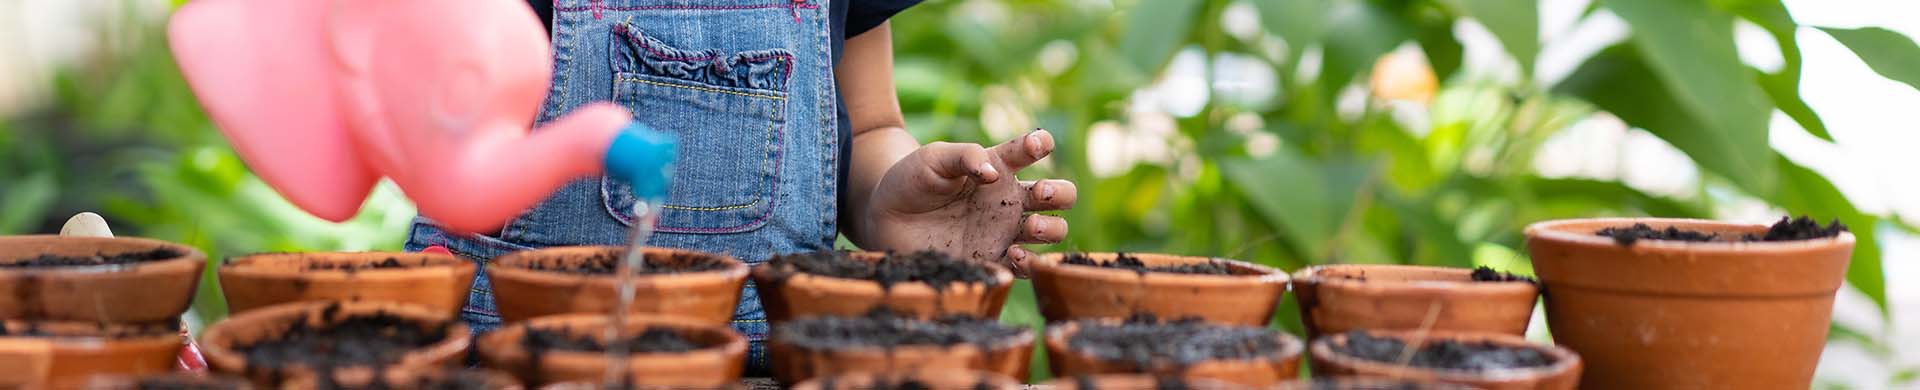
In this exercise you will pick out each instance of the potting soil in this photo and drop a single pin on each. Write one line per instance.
(51, 260)
(651, 340)
(1147, 342)
(1442, 354)
(1626, 236)
(1795, 229)
(604, 263)
(389, 263)
(458, 381)
(1486, 274)
(356, 340)
(181, 383)
(883, 328)
(933, 268)
(1129, 262)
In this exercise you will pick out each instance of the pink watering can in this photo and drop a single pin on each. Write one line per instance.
(321, 98)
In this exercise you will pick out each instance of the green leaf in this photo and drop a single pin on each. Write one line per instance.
(1689, 48)
(1619, 81)
(24, 203)
(1784, 86)
(1805, 192)
(1515, 22)
(1300, 22)
(1361, 33)
(1288, 191)
(1155, 29)
(1890, 54)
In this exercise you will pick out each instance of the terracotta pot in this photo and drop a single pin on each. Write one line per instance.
(67, 353)
(220, 342)
(1562, 374)
(1366, 383)
(1011, 357)
(410, 379)
(165, 381)
(1134, 381)
(787, 295)
(944, 379)
(1071, 292)
(1667, 314)
(1283, 365)
(1338, 298)
(132, 293)
(437, 281)
(522, 293)
(717, 363)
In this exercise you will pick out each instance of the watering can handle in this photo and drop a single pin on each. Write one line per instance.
(644, 157)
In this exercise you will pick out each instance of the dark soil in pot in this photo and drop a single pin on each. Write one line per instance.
(1442, 354)
(886, 329)
(1148, 342)
(651, 340)
(605, 263)
(933, 268)
(1787, 229)
(358, 340)
(389, 263)
(1486, 274)
(122, 258)
(1128, 262)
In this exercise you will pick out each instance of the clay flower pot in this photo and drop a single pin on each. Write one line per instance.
(788, 294)
(65, 354)
(421, 379)
(985, 345)
(1562, 371)
(1137, 381)
(523, 292)
(435, 281)
(147, 291)
(925, 379)
(1282, 364)
(166, 381)
(1366, 383)
(715, 363)
(1671, 314)
(224, 344)
(1070, 292)
(1337, 298)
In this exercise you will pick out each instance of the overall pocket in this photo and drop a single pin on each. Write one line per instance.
(728, 108)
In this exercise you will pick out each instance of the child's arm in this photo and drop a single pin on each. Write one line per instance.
(962, 199)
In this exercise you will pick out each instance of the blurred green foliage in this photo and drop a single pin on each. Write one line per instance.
(1333, 183)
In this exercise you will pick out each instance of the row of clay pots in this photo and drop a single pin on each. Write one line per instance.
(103, 320)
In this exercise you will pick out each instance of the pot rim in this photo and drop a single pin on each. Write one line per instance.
(1024, 339)
(189, 257)
(509, 266)
(993, 380)
(215, 342)
(510, 335)
(1564, 359)
(1053, 263)
(1195, 383)
(1562, 230)
(765, 276)
(1057, 334)
(1311, 277)
(254, 267)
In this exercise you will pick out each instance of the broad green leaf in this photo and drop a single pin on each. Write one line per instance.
(1688, 47)
(1444, 51)
(1805, 192)
(1783, 86)
(1619, 81)
(1515, 22)
(24, 203)
(1289, 192)
(1361, 33)
(1155, 29)
(1890, 54)
(1300, 22)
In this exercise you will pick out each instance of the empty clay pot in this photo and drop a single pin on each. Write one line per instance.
(1562, 374)
(1338, 298)
(131, 293)
(1282, 365)
(220, 343)
(1010, 357)
(1668, 315)
(717, 363)
(1137, 381)
(522, 293)
(787, 295)
(436, 281)
(1070, 292)
(926, 379)
(44, 354)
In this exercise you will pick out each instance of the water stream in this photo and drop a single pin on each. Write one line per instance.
(625, 273)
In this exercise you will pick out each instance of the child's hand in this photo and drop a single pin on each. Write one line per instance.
(964, 200)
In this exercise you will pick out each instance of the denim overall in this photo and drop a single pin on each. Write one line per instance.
(747, 85)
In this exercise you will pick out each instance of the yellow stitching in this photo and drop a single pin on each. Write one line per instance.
(638, 80)
(734, 207)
